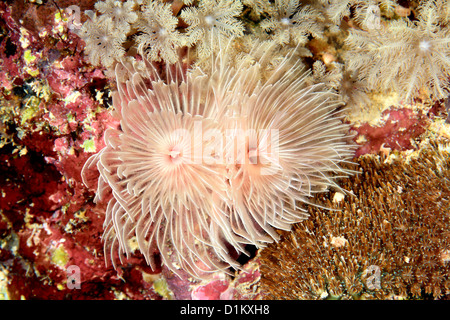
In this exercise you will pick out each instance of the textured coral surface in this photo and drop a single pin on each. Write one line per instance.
(395, 225)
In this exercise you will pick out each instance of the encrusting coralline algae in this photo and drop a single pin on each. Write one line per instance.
(164, 211)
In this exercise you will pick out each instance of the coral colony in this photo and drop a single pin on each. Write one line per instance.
(212, 149)
(207, 162)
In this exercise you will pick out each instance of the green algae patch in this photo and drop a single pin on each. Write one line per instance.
(89, 145)
(160, 286)
(60, 257)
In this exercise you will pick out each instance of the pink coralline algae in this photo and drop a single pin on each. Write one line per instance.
(397, 132)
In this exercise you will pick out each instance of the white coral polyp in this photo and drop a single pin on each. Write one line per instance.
(424, 45)
(209, 20)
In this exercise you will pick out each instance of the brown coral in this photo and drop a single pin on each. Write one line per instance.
(396, 226)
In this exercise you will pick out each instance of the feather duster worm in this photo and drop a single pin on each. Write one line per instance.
(204, 163)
